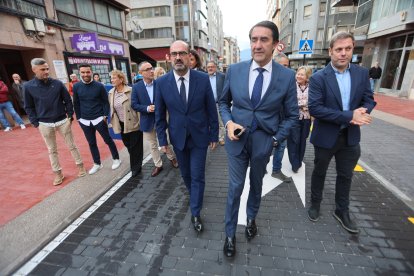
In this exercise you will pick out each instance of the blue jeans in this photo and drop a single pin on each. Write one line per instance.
(9, 107)
(278, 156)
(372, 82)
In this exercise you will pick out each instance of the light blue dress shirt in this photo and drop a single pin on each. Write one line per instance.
(150, 90)
(344, 83)
(213, 83)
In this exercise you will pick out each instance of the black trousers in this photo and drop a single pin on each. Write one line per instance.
(90, 134)
(346, 158)
(133, 141)
(296, 143)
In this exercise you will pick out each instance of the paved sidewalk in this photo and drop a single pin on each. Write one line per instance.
(144, 229)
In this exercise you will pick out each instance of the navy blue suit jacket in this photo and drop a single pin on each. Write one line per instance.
(235, 104)
(219, 84)
(198, 118)
(140, 100)
(325, 105)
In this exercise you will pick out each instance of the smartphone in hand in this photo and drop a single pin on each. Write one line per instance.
(238, 132)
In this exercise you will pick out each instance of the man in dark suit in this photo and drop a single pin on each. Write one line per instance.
(142, 100)
(193, 124)
(340, 100)
(217, 83)
(254, 94)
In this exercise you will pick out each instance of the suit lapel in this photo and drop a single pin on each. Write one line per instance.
(244, 84)
(333, 84)
(192, 88)
(273, 78)
(146, 96)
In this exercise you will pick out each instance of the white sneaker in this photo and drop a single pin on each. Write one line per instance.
(22, 126)
(116, 163)
(7, 129)
(95, 168)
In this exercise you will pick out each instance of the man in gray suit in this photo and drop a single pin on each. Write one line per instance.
(254, 94)
(217, 82)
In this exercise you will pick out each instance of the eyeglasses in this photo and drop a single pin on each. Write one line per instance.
(148, 69)
(181, 53)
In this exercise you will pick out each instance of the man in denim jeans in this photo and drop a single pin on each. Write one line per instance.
(7, 105)
(50, 108)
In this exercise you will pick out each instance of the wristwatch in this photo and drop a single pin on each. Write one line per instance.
(275, 142)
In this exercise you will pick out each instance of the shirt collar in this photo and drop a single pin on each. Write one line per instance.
(186, 76)
(149, 84)
(268, 66)
(86, 82)
(337, 71)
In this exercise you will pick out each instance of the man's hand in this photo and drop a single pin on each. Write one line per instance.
(165, 149)
(213, 145)
(361, 117)
(231, 127)
(151, 108)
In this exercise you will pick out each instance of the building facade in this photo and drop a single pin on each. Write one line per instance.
(64, 33)
(154, 25)
(231, 52)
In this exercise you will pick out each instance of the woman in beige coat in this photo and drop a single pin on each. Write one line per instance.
(125, 120)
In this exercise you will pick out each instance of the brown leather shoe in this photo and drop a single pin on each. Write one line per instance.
(156, 171)
(174, 163)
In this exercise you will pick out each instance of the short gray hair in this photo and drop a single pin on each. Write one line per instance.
(340, 35)
(37, 61)
(279, 56)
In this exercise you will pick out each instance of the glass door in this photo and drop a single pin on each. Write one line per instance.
(391, 69)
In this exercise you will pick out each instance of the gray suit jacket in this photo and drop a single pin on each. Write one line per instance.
(281, 94)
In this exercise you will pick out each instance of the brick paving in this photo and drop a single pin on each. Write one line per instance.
(396, 106)
(144, 229)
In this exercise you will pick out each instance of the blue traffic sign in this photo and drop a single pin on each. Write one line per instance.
(305, 46)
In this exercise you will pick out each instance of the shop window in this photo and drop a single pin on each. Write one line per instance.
(307, 11)
(37, 8)
(101, 13)
(85, 9)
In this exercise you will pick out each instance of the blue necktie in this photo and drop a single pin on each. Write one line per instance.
(182, 91)
(257, 94)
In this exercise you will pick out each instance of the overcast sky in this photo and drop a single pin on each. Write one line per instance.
(239, 16)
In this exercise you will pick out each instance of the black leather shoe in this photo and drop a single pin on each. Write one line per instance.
(135, 173)
(346, 222)
(313, 213)
(198, 225)
(229, 248)
(251, 229)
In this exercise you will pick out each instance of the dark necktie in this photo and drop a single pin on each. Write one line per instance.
(182, 91)
(257, 94)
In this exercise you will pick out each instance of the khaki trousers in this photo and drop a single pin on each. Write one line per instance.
(151, 137)
(49, 135)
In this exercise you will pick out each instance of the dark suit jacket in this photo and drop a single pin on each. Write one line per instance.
(219, 84)
(281, 95)
(325, 105)
(198, 118)
(140, 100)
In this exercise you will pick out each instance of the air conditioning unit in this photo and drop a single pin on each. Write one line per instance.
(40, 26)
(29, 24)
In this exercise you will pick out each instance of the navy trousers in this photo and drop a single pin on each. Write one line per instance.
(296, 143)
(192, 161)
(257, 152)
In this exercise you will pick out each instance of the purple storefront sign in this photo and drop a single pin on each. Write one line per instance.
(85, 42)
(90, 42)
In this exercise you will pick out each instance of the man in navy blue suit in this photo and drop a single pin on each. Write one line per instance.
(340, 100)
(254, 94)
(142, 100)
(193, 123)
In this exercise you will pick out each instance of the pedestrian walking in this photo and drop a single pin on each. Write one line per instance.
(254, 94)
(91, 104)
(217, 82)
(49, 106)
(340, 100)
(296, 142)
(125, 120)
(6, 104)
(143, 101)
(374, 75)
(193, 124)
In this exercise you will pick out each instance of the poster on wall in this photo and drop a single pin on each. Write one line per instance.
(60, 70)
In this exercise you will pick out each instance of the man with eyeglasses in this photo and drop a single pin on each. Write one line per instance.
(193, 122)
(142, 100)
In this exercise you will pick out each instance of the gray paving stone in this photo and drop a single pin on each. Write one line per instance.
(342, 270)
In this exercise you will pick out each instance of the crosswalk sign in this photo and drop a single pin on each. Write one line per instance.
(305, 46)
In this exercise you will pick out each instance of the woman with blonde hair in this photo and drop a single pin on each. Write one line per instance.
(296, 141)
(125, 120)
(158, 72)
